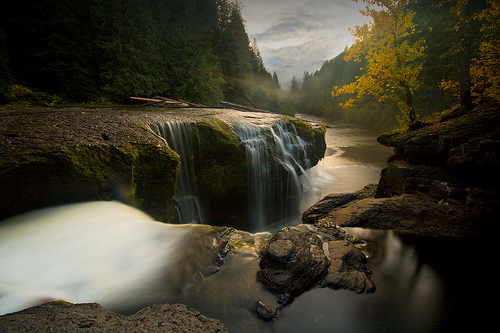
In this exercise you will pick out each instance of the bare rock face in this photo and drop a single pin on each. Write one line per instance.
(92, 317)
(441, 182)
(299, 258)
(293, 262)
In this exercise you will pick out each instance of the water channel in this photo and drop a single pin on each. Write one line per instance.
(112, 254)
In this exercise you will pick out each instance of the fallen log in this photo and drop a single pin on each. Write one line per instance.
(180, 101)
(146, 99)
(163, 101)
(242, 107)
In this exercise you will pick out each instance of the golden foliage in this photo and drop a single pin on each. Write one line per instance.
(394, 55)
(485, 70)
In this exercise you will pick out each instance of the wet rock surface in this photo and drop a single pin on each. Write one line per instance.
(292, 262)
(92, 317)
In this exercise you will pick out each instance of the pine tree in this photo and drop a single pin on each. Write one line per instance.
(276, 81)
(294, 86)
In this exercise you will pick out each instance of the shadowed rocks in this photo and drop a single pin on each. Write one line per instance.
(67, 317)
(299, 258)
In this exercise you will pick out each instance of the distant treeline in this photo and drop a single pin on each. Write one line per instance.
(88, 50)
(444, 28)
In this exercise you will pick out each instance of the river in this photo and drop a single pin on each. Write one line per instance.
(112, 254)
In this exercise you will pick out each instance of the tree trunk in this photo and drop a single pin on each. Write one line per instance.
(465, 81)
(409, 103)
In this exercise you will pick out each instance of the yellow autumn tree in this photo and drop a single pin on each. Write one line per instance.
(394, 56)
(485, 69)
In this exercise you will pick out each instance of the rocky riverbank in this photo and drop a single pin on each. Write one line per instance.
(441, 182)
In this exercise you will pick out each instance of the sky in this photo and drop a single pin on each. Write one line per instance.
(294, 36)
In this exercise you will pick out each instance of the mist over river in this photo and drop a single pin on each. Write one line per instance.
(115, 255)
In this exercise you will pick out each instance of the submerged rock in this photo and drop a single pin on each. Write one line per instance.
(265, 312)
(92, 317)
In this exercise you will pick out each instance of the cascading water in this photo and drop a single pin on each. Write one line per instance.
(179, 136)
(259, 172)
(291, 152)
(276, 158)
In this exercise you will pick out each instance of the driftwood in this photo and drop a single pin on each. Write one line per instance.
(174, 103)
(165, 102)
(241, 107)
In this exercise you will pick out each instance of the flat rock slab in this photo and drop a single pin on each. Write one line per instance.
(92, 317)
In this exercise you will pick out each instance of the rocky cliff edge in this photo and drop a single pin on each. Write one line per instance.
(441, 182)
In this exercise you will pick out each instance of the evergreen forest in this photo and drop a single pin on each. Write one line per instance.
(109, 50)
(414, 58)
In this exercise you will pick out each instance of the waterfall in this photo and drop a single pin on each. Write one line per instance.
(291, 152)
(259, 172)
(179, 137)
(276, 158)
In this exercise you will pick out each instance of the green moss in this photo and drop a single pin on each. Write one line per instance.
(306, 129)
(142, 175)
(216, 132)
(88, 161)
(61, 303)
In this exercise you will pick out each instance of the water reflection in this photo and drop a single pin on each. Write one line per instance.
(408, 297)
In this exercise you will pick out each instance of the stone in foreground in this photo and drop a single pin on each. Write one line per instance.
(92, 317)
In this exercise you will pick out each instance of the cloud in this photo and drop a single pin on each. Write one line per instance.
(298, 33)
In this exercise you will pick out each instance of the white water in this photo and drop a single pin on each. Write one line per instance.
(273, 195)
(259, 172)
(179, 136)
(89, 252)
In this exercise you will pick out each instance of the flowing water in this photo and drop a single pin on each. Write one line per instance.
(117, 256)
(179, 136)
(352, 160)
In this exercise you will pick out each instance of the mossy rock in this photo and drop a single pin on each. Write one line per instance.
(221, 172)
(57, 157)
(94, 172)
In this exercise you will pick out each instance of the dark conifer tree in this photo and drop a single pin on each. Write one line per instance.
(276, 81)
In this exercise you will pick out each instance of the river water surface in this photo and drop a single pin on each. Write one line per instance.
(117, 256)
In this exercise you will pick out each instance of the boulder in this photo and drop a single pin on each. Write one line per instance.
(292, 262)
(67, 317)
(299, 258)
